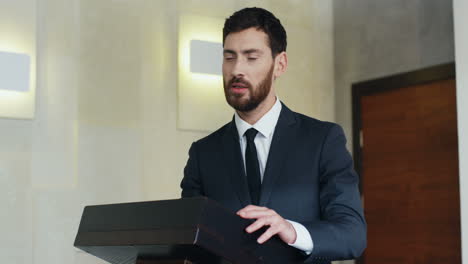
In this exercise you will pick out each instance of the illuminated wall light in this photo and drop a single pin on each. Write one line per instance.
(205, 57)
(17, 78)
(18, 61)
(201, 105)
(14, 72)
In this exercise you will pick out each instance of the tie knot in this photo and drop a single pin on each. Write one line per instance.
(250, 134)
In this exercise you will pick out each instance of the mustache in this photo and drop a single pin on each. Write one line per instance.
(239, 80)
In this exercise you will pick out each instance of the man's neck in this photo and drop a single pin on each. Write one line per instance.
(256, 114)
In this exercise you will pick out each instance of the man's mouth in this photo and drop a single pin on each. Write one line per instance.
(238, 85)
(235, 90)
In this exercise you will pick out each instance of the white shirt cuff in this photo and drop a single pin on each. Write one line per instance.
(303, 239)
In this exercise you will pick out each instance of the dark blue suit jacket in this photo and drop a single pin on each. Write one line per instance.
(309, 178)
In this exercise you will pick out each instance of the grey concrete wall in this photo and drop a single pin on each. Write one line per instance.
(460, 8)
(376, 38)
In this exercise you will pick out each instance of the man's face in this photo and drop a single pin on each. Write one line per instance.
(247, 69)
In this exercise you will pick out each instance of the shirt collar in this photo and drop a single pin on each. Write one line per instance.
(266, 125)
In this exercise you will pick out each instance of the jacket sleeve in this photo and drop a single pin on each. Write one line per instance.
(341, 231)
(191, 183)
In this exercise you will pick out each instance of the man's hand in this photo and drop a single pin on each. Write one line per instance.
(268, 217)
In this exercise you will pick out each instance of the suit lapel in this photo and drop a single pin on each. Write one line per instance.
(283, 139)
(234, 164)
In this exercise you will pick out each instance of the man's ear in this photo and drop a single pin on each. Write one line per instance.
(281, 63)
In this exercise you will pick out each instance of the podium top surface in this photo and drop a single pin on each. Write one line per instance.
(179, 213)
(194, 227)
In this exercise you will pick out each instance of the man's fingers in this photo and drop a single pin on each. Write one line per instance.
(273, 230)
(255, 214)
(249, 208)
(253, 207)
(264, 217)
(268, 217)
(256, 225)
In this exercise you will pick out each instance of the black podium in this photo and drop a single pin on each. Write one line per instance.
(193, 230)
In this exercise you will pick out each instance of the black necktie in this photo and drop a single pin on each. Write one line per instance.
(252, 167)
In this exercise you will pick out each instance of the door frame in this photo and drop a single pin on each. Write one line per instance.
(396, 81)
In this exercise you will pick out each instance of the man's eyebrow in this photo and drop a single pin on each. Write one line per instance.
(250, 51)
(227, 51)
(247, 52)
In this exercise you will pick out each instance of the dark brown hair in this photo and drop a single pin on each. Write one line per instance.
(260, 19)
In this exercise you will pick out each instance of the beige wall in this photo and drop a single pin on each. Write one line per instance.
(105, 125)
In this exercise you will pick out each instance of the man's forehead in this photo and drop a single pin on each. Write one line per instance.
(247, 39)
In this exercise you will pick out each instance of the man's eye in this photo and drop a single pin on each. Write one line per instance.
(252, 59)
(228, 58)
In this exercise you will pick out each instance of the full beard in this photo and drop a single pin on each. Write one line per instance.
(255, 96)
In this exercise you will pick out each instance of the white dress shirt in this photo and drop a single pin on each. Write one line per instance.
(266, 127)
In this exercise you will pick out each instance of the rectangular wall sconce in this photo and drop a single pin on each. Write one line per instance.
(201, 105)
(17, 85)
(206, 57)
(14, 72)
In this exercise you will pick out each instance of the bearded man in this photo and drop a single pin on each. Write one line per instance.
(288, 172)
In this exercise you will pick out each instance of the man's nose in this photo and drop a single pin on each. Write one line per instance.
(238, 69)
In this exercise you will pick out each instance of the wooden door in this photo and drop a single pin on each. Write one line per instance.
(409, 168)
